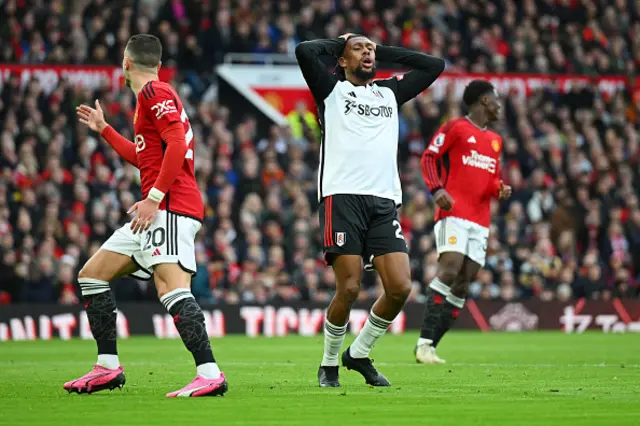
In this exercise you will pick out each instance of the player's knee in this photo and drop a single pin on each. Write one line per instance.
(349, 289)
(399, 292)
(460, 289)
(448, 275)
(87, 272)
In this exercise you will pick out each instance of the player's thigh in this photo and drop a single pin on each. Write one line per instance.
(343, 222)
(168, 249)
(395, 272)
(470, 269)
(452, 239)
(107, 265)
(348, 272)
(115, 258)
(384, 235)
(170, 276)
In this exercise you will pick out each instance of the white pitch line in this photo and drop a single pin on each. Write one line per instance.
(309, 364)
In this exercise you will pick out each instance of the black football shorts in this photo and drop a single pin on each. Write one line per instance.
(362, 225)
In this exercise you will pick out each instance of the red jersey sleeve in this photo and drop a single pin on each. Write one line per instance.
(495, 186)
(162, 106)
(124, 147)
(440, 144)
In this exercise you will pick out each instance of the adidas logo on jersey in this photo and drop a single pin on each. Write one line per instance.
(156, 252)
(472, 139)
(352, 94)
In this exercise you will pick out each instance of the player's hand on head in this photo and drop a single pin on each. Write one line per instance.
(92, 117)
(346, 36)
(505, 191)
(145, 211)
(444, 200)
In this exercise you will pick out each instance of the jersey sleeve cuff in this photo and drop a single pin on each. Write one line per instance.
(156, 195)
(436, 189)
(106, 131)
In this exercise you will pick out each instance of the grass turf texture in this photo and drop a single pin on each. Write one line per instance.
(491, 379)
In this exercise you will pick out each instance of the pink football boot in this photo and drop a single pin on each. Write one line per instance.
(98, 379)
(202, 387)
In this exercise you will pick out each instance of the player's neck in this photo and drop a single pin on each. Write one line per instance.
(478, 118)
(357, 81)
(139, 81)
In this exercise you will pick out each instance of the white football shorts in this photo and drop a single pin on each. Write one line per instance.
(462, 236)
(169, 239)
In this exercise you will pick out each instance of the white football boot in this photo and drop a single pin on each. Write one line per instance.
(426, 354)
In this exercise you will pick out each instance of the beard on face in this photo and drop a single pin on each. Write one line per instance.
(127, 83)
(363, 74)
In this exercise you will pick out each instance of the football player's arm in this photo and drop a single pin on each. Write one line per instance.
(440, 144)
(320, 80)
(123, 146)
(495, 184)
(162, 106)
(425, 70)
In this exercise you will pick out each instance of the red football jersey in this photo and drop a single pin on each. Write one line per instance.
(465, 160)
(158, 107)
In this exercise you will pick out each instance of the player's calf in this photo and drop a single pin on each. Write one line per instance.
(173, 285)
(452, 307)
(100, 306)
(439, 288)
(348, 273)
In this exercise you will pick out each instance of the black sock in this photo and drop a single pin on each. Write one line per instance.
(434, 306)
(450, 314)
(189, 320)
(100, 306)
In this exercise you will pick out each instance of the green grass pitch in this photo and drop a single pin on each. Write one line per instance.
(491, 379)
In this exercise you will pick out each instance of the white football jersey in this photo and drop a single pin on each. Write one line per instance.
(359, 142)
(360, 123)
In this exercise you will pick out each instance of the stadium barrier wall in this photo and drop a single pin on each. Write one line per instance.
(44, 322)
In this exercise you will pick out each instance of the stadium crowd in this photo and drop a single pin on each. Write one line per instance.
(571, 229)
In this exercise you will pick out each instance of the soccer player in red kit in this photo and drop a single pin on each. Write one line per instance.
(461, 167)
(160, 239)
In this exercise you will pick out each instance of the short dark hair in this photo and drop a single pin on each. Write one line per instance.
(338, 70)
(475, 90)
(145, 50)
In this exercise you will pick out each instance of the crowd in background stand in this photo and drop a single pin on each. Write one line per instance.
(571, 229)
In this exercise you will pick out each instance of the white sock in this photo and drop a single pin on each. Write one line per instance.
(108, 361)
(333, 338)
(423, 341)
(210, 370)
(373, 329)
(90, 286)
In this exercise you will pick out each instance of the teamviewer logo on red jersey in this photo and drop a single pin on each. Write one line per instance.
(163, 108)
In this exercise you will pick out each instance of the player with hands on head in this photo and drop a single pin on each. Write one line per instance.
(160, 239)
(461, 167)
(359, 187)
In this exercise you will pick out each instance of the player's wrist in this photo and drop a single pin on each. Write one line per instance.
(102, 127)
(155, 195)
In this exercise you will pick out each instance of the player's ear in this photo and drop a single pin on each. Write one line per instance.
(342, 62)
